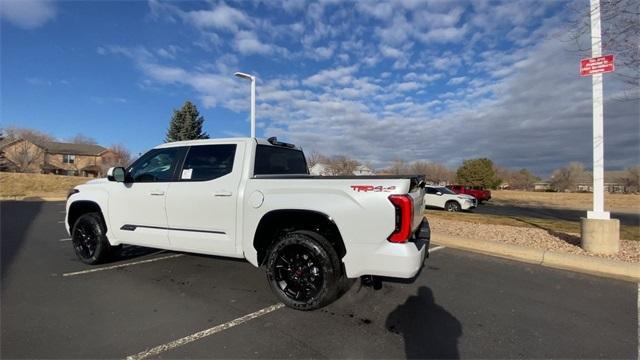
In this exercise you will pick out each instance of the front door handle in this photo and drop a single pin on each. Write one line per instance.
(156, 193)
(222, 193)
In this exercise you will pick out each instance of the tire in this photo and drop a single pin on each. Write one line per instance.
(304, 270)
(89, 240)
(452, 206)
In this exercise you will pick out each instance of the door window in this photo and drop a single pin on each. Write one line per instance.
(158, 165)
(208, 162)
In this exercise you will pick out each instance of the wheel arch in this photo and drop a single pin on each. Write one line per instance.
(275, 222)
(81, 207)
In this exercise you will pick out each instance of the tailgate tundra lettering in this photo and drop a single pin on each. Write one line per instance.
(369, 188)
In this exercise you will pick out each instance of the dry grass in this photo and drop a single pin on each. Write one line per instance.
(552, 225)
(20, 186)
(579, 201)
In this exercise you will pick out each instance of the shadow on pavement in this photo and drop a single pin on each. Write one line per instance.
(428, 329)
(15, 220)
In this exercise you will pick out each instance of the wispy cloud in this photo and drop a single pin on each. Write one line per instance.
(27, 14)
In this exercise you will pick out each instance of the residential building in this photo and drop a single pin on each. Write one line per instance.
(58, 158)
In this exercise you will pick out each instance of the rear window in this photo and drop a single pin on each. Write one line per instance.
(274, 160)
(208, 162)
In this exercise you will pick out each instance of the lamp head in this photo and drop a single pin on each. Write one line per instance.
(244, 76)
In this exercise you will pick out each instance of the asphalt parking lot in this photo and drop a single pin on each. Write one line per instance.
(630, 219)
(461, 305)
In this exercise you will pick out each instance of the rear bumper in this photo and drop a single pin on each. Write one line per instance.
(390, 259)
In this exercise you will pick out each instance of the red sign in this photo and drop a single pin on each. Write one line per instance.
(599, 65)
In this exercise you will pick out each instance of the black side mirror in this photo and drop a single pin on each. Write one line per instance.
(116, 174)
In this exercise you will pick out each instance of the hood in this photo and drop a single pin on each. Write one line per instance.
(465, 196)
(96, 181)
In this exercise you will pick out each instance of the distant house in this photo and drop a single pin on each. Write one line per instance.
(362, 170)
(613, 183)
(320, 169)
(21, 155)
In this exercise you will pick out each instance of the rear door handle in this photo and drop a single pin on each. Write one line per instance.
(222, 193)
(156, 193)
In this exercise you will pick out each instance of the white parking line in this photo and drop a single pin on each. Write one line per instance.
(436, 248)
(204, 333)
(121, 265)
(65, 239)
(61, 222)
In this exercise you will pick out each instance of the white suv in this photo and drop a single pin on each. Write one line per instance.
(443, 198)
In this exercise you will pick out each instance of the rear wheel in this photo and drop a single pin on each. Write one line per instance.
(452, 206)
(304, 270)
(89, 240)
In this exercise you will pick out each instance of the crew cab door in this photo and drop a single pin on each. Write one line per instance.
(202, 203)
(137, 212)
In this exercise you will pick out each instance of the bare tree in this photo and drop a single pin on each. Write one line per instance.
(315, 158)
(120, 156)
(433, 172)
(342, 165)
(631, 180)
(82, 139)
(35, 136)
(620, 36)
(26, 156)
(398, 167)
(566, 178)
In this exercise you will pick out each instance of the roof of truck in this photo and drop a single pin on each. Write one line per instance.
(218, 141)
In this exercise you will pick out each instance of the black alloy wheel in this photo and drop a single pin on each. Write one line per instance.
(89, 240)
(297, 273)
(303, 270)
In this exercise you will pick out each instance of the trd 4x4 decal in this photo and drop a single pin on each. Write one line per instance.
(371, 188)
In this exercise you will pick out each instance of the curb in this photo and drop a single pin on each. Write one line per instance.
(585, 264)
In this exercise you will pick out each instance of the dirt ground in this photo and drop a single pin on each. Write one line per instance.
(43, 186)
(579, 201)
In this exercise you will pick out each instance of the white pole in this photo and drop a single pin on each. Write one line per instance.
(253, 107)
(598, 127)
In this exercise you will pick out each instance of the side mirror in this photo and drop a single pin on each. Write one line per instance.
(116, 174)
(439, 193)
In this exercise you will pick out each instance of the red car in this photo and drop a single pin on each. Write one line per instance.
(477, 192)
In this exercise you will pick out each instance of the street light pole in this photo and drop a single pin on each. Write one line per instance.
(598, 131)
(253, 99)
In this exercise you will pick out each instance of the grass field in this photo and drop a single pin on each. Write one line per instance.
(555, 225)
(579, 201)
(21, 186)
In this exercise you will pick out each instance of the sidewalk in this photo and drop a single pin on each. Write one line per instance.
(579, 263)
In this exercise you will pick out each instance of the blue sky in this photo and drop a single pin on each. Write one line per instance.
(379, 81)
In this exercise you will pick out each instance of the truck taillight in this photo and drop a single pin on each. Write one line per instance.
(404, 215)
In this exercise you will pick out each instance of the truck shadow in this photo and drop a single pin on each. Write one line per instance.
(428, 329)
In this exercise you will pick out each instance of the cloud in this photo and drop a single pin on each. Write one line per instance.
(247, 43)
(221, 17)
(457, 80)
(27, 14)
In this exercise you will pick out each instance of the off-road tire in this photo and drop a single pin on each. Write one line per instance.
(288, 270)
(89, 240)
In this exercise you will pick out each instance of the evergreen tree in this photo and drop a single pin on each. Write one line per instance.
(186, 124)
(478, 172)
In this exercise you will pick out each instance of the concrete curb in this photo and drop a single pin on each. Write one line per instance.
(579, 263)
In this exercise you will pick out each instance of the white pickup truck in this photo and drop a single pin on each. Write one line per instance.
(254, 199)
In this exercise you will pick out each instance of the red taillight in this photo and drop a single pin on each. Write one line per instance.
(404, 215)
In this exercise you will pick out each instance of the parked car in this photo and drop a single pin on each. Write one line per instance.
(443, 198)
(254, 199)
(477, 192)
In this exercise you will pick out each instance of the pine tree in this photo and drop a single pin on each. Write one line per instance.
(477, 172)
(186, 124)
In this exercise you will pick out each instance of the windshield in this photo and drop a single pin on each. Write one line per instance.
(445, 190)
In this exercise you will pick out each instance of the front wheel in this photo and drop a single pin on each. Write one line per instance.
(452, 206)
(304, 270)
(89, 240)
